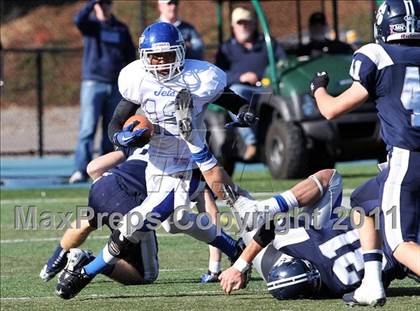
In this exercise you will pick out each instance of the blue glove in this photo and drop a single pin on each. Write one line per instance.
(128, 137)
(243, 119)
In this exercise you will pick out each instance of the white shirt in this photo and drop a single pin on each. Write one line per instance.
(168, 152)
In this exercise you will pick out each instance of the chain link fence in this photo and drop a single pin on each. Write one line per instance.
(42, 51)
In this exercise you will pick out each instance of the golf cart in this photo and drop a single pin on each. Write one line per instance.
(293, 138)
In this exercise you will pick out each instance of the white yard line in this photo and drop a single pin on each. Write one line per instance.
(204, 292)
(99, 237)
(47, 200)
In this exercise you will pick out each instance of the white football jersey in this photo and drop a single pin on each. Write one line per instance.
(168, 152)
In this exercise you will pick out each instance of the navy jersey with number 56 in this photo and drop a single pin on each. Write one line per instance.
(390, 74)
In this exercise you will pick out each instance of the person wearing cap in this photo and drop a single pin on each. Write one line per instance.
(108, 48)
(244, 58)
(318, 41)
(169, 13)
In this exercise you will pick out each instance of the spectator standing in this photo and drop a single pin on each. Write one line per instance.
(108, 47)
(169, 14)
(244, 58)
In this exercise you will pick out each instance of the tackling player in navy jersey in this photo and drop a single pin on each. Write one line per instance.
(114, 193)
(388, 72)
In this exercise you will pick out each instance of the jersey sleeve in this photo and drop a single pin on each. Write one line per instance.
(129, 82)
(367, 61)
(215, 83)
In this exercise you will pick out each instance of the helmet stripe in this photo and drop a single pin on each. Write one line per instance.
(409, 8)
(288, 280)
(277, 286)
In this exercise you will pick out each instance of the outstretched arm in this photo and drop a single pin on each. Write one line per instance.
(233, 279)
(333, 107)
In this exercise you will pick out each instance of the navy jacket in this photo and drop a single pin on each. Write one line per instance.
(235, 59)
(107, 46)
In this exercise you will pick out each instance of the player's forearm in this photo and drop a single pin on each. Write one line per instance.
(82, 18)
(100, 165)
(327, 104)
(333, 107)
(251, 251)
(231, 101)
(124, 110)
(215, 178)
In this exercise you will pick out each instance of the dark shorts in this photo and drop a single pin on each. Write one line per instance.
(396, 191)
(109, 196)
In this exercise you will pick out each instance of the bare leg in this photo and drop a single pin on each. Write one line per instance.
(307, 191)
(408, 253)
(126, 274)
(75, 236)
(215, 255)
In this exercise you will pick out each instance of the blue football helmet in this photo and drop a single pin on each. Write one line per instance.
(293, 278)
(161, 38)
(397, 20)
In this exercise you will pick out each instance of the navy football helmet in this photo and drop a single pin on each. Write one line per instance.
(397, 20)
(161, 38)
(293, 278)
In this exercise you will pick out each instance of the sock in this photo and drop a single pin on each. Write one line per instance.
(279, 203)
(226, 244)
(100, 263)
(58, 255)
(215, 266)
(373, 266)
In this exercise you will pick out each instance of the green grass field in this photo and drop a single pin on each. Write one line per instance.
(182, 261)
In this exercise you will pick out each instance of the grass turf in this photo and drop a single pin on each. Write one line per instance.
(182, 260)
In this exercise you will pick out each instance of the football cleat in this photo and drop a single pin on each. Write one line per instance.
(183, 112)
(210, 277)
(240, 247)
(51, 269)
(364, 296)
(74, 278)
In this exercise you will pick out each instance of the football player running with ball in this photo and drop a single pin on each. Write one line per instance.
(387, 72)
(158, 82)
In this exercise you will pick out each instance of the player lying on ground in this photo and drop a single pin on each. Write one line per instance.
(388, 72)
(301, 194)
(307, 261)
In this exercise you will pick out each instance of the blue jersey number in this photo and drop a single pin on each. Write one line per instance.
(410, 95)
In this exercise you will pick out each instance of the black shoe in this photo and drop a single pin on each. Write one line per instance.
(74, 278)
(351, 301)
(240, 246)
(71, 283)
